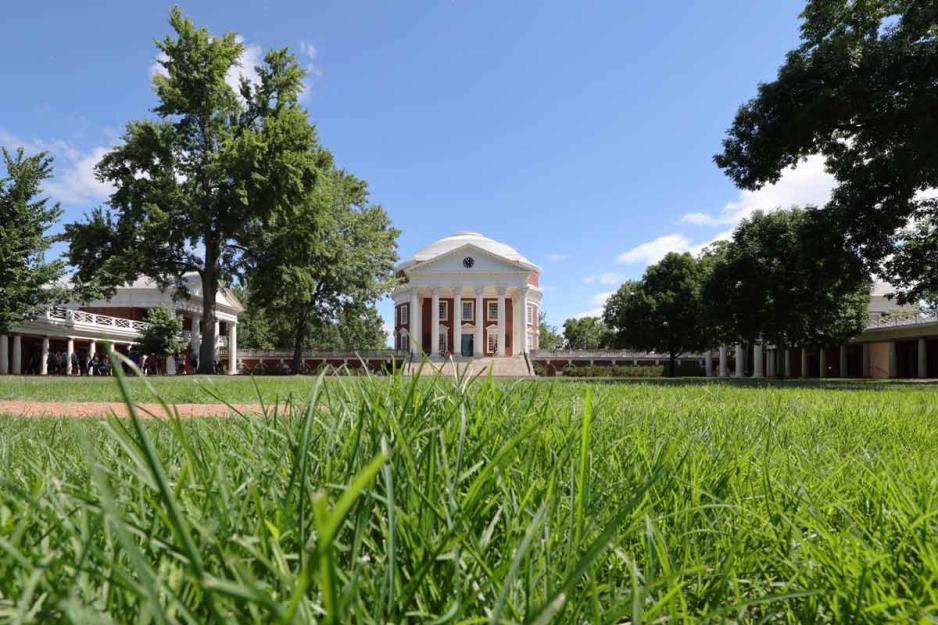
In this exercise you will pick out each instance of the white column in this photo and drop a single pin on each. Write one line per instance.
(501, 322)
(787, 363)
(196, 333)
(44, 365)
(892, 359)
(708, 363)
(724, 368)
(435, 323)
(771, 362)
(757, 360)
(740, 357)
(922, 359)
(843, 361)
(865, 372)
(414, 329)
(4, 354)
(822, 363)
(479, 340)
(456, 320)
(518, 323)
(170, 365)
(70, 349)
(17, 354)
(92, 348)
(217, 338)
(804, 362)
(232, 348)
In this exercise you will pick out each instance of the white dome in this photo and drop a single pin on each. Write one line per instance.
(466, 237)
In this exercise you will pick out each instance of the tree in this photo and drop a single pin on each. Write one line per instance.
(913, 266)
(547, 335)
(585, 333)
(192, 186)
(255, 330)
(787, 277)
(162, 335)
(327, 264)
(356, 327)
(27, 281)
(861, 91)
(662, 312)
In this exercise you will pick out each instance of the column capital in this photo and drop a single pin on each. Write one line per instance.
(501, 291)
(436, 291)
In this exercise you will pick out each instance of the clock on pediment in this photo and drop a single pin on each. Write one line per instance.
(468, 262)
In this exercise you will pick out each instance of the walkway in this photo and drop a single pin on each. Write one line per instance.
(91, 409)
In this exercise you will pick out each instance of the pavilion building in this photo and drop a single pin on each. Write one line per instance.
(467, 296)
(84, 328)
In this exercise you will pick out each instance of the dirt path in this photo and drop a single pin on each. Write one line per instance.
(88, 409)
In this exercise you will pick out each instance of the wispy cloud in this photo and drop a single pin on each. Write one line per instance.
(653, 251)
(808, 183)
(75, 182)
(610, 277)
(556, 258)
(598, 301)
(311, 55)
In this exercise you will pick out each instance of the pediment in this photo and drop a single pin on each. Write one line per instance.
(483, 262)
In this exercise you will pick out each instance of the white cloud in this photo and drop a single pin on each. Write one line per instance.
(808, 183)
(653, 251)
(556, 258)
(598, 300)
(610, 277)
(73, 168)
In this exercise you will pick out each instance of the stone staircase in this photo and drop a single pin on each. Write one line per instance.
(506, 367)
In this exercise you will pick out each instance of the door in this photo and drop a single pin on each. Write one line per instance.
(467, 345)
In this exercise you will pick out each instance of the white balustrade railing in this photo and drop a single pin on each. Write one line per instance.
(905, 318)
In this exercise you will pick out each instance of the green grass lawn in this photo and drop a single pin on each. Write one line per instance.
(400, 501)
(178, 389)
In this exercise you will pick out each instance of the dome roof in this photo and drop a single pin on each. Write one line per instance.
(462, 238)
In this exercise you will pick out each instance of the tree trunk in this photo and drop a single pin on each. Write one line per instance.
(297, 364)
(209, 290)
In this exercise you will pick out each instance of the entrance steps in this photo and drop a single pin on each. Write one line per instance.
(500, 367)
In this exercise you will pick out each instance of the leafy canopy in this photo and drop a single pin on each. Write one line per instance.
(193, 186)
(547, 335)
(585, 333)
(163, 334)
(27, 281)
(663, 311)
(861, 90)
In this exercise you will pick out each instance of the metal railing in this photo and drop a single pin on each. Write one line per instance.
(905, 318)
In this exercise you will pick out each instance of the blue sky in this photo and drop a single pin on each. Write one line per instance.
(580, 133)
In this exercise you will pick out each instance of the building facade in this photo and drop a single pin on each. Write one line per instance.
(83, 329)
(898, 342)
(467, 296)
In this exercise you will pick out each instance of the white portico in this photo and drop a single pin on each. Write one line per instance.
(467, 295)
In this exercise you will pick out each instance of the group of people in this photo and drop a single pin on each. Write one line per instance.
(82, 363)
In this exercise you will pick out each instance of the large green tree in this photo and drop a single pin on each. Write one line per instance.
(162, 335)
(326, 265)
(662, 312)
(548, 337)
(787, 277)
(585, 333)
(27, 281)
(861, 90)
(192, 186)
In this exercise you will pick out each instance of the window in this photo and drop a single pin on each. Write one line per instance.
(443, 338)
(492, 341)
(404, 314)
(444, 311)
(467, 310)
(530, 314)
(493, 311)
(530, 342)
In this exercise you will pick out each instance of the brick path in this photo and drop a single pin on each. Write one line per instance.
(90, 409)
